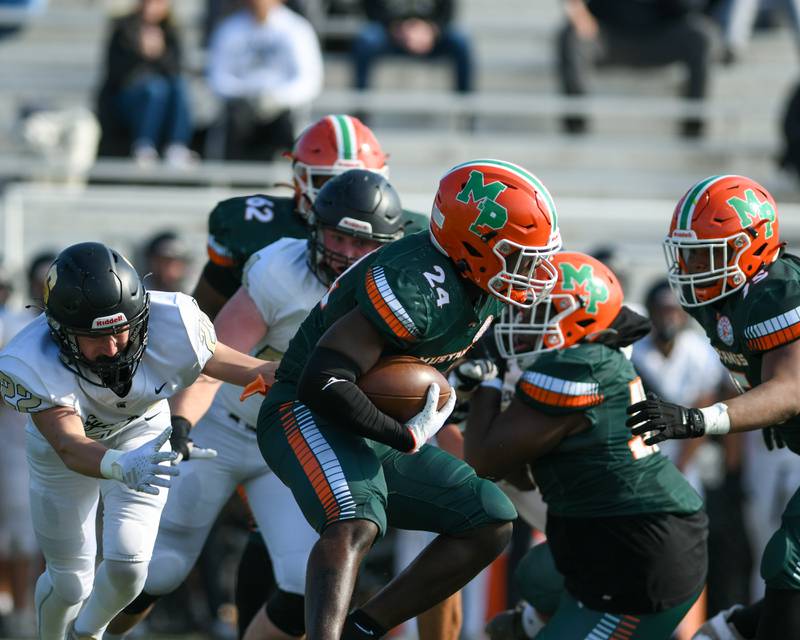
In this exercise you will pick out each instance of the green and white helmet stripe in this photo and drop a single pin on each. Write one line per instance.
(525, 175)
(345, 132)
(690, 201)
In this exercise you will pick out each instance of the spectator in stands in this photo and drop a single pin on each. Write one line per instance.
(636, 33)
(168, 259)
(15, 14)
(264, 61)
(414, 29)
(144, 88)
(738, 19)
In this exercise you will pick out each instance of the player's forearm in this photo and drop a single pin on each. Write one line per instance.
(327, 387)
(80, 454)
(770, 403)
(229, 365)
(193, 402)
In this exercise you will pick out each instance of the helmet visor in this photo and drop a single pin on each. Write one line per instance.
(526, 275)
(701, 271)
(526, 332)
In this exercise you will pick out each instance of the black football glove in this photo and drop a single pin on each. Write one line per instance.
(470, 373)
(664, 420)
(181, 442)
(772, 438)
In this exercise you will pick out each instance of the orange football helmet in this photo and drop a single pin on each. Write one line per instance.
(332, 145)
(498, 223)
(585, 300)
(724, 230)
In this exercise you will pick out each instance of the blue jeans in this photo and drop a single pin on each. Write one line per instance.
(374, 41)
(156, 109)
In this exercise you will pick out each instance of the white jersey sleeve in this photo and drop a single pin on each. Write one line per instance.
(284, 290)
(25, 363)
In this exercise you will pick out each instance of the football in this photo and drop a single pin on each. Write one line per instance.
(398, 386)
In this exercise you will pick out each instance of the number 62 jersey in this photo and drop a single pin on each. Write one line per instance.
(181, 340)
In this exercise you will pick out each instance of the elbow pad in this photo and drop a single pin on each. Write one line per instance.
(328, 387)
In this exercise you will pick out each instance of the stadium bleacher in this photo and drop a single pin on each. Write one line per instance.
(633, 152)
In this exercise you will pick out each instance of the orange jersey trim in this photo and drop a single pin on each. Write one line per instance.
(218, 258)
(556, 399)
(774, 339)
(379, 302)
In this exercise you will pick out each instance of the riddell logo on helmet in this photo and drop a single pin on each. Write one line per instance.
(687, 234)
(109, 321)
(360, 226)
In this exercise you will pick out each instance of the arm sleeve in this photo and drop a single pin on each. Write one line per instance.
(555, 387)
(224, 280)
(327, 387)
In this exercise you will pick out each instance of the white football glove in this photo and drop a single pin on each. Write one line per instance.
(139, 469)
(428, 421)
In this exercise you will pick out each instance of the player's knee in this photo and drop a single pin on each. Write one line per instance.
(168, 571)
(495, 503)
(356, 535)
(781, 559)
(127, 578)
(287, 612)
(73, 587)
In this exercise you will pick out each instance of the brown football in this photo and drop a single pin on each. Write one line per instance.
(398, 385)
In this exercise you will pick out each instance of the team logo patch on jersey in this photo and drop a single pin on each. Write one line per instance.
(725, 330)
(493, 216)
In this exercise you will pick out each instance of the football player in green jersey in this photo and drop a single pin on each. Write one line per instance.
(240, 226)
(625, 529)
(353, 469)
(727, 265)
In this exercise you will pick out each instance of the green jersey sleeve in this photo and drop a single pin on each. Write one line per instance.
(396, 304)
(557, 384)
(773, 314)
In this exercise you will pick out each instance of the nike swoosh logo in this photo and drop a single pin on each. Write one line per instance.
(358, 626)
(331, 381)
(158, 389)
(149, 418)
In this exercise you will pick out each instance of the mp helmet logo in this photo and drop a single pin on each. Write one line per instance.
(590, 289)
(493, 216)
(752, 210)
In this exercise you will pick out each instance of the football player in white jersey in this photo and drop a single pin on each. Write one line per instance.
(353, 214)
(93, 373)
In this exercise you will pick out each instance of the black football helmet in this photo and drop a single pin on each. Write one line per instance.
(357, 203)
(92, 290)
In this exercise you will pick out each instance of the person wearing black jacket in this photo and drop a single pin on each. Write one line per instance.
(143, 88)
(635, 33)
(415, 28)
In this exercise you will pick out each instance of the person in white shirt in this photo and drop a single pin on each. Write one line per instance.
(93, 373)
(263, 61)
(353, 213)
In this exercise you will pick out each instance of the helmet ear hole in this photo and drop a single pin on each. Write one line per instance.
(585, 323)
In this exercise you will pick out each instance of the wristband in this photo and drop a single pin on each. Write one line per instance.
(107, 463)
(717, 420)
(494, 383)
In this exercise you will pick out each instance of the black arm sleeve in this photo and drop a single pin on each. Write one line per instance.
(327, 387)
(224, 280)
